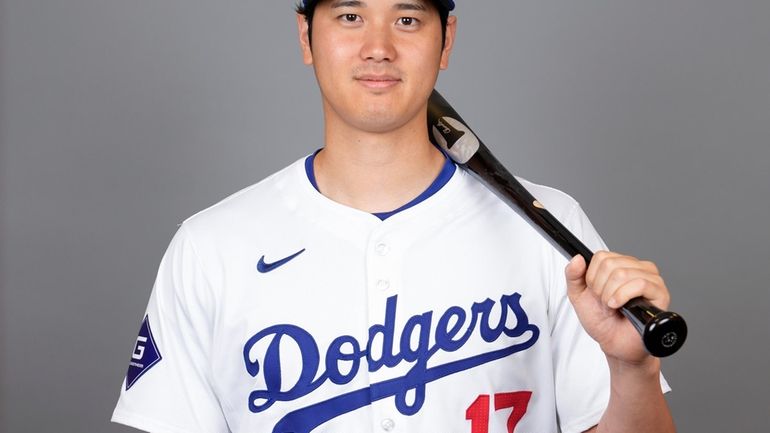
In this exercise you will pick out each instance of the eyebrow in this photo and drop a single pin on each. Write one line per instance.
(347, 3)
(413, 6)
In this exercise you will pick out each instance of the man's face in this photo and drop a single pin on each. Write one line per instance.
(376, 61)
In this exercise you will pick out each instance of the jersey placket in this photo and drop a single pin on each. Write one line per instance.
(384, 255)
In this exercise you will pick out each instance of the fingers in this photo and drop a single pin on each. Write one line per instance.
(576, 270)
(576, 273)
(636, 288)
(605, 262)
(616, 279)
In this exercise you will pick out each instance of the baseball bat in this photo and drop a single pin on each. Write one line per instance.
(662, 332)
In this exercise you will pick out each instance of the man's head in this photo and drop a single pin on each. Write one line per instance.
(307, 8)
(376, 61)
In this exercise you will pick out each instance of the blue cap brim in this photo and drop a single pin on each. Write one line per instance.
(449, 4)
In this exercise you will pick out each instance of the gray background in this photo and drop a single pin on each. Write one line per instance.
(118, 119)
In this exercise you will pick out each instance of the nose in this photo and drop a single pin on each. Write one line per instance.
(378, 45)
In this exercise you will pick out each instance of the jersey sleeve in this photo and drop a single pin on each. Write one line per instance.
(168, 386)
(581, 372)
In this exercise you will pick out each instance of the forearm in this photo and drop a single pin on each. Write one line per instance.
(636, 401)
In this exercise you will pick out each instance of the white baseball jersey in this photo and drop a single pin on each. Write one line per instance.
(278, 310)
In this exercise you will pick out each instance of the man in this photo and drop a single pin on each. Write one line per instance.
(375, 286)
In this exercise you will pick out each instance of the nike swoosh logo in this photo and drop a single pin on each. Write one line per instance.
(263, 267)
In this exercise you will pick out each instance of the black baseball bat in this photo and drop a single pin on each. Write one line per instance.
(662, 332)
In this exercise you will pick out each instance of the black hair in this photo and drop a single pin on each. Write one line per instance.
(308, 12)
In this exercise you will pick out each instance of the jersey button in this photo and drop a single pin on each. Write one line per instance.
(388, 424)
(382, 249)
(383, 285)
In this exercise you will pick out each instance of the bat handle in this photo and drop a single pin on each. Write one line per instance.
(663, 332)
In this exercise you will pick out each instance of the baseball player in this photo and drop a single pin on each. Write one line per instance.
(375, 286)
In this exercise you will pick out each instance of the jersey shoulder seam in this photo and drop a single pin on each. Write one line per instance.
(243, 191)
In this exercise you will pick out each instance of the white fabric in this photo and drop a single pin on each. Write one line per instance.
(438, 265)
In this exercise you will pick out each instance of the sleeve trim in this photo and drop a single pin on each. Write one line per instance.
(584, 423)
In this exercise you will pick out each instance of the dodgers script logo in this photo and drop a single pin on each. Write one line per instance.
(453, 329)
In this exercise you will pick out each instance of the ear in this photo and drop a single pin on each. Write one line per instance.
(304, 40)
(449, 40)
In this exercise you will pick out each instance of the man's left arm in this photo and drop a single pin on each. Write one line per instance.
(636, 402)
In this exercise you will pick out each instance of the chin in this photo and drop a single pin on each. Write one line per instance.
(378, 117)
(376, 113)
(378, 124)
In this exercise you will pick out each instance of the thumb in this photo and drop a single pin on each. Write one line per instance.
(576, 276)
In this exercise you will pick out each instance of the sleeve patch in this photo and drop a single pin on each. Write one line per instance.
(145, 355)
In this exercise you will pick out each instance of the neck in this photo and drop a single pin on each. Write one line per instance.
(377, 172)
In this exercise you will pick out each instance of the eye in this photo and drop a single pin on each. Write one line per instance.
(408, 22)
(350, 18)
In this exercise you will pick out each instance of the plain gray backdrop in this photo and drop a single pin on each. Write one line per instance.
(118, 119)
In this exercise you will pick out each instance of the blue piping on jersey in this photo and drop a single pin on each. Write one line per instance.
(447, 171)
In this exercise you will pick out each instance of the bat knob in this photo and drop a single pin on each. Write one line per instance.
(664, 334)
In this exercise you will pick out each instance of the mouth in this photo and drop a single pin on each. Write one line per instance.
(377, 81)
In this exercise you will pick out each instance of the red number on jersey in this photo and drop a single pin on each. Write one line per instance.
(478, 411)
(518, 401)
